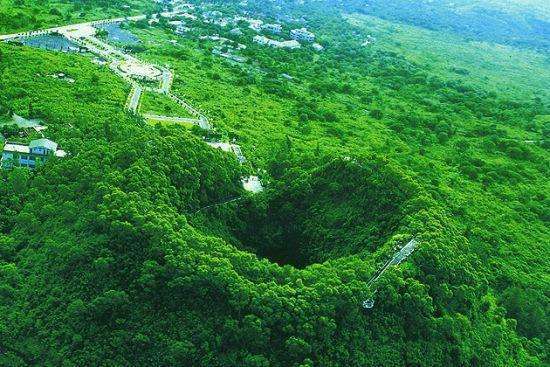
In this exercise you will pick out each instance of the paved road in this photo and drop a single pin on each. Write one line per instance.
(70, 27)
(83, 34)
(166, 82)
(76, 26)
(135, 97)
(172, 119)
(184, 104)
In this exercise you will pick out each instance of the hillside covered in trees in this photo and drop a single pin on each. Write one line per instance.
(141, 247)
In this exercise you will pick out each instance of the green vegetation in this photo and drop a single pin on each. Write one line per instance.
(518, 23)
(131, 251)
(494, 67)
(23, 15)
(168, 121)
(317, 216)
(158, 104)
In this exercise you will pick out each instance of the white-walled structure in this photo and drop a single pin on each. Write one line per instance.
(302, 34)
(262, 40)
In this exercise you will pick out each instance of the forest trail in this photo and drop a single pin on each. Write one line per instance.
(217, 204)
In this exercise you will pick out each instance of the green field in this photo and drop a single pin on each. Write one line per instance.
(158, 104)
(167, 122)
(498, 68)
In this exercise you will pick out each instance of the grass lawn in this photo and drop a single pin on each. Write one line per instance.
(154, 121)
(158, 104)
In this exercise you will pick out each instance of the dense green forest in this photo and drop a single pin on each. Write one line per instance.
(524, 24)
(118, 254)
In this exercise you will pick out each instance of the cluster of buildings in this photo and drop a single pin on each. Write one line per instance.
(296, 36)
(29, 155)
(262, 40)
(273, 28)
(302, 34)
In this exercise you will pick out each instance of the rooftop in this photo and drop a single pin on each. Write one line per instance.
(43, 143)
(16, 148)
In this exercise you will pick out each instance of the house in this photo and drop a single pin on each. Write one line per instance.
(292, 44)
(229, 56)
(317, 47)
(302, 34)
(214, 14)
(273, 28)
(261, 40)
(32, 155)
(188, 16)
(176, 23)
(184, 5)
(236, 32)
(255, 24)
(181, 30)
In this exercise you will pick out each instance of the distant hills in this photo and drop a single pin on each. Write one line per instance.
(521, 23)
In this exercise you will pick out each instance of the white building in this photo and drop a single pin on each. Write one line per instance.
(262, 40)
(302, 34)
(236, 32)
(181, 30)
(252, 184)
(184, 5)
(188, 16)
(30, 156)
(255, 24)
(292, 44)
(273, 28)
(317, 47)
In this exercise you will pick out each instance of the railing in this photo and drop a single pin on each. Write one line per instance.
(397, 259)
